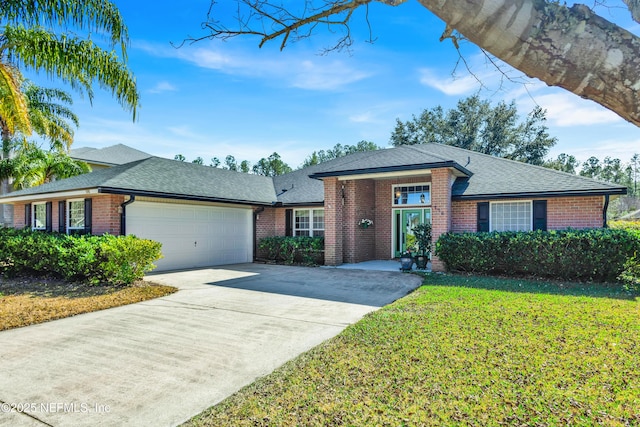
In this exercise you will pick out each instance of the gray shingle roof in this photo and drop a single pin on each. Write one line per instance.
(487, 176)
(118, 154)
(298, 188)
(480, 176)
(160, 177)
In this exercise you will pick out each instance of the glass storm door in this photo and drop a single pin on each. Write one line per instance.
(405, 220)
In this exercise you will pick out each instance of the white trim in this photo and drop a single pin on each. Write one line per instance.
(50, 196)
(311, 229)
(383, 175)
(33, 215)
(420, 205)
(530, 202)
(68, 216)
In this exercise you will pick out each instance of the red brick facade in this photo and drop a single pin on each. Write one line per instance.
(562, 213)
(105, 214)
(349, 201)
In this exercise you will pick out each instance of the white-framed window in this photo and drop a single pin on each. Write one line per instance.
(75, 215)
(308, 222)
(411, 194)
(511, 216)
(39, 216)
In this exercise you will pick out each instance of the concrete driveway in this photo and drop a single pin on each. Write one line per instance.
(160, 362)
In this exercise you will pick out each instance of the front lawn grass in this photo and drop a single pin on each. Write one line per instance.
(463, 350)
(26, 302)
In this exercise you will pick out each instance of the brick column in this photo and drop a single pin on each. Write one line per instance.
(332, 221)
(441, 181)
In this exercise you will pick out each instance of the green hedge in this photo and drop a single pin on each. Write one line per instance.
(109, 259)
(290, 250)
(594, 254)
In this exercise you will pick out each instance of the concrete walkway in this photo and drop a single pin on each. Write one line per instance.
(160, 362)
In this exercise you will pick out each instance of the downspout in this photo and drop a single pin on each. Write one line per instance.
(256, 213)
(604, 211)
(123, 215)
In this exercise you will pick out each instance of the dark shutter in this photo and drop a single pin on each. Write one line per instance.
(288, 222)
(87, 216)
(61, 216)
(27, 216)
(540, 215)
(49, 217)
(483, 216)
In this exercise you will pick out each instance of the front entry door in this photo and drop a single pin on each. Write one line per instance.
(405, 220)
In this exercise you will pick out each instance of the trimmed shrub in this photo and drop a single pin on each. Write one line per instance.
(593, 254)
(116, 260)
(290, 250)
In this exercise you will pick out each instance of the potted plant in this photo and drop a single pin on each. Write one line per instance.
(365, 223)
(406, 261)
(422, 232)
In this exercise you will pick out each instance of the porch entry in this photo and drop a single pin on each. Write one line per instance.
(403, 222)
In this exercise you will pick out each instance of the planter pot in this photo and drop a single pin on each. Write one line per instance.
(421, 262)
(406, 263)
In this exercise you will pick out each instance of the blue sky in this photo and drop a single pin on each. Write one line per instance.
(215, 98)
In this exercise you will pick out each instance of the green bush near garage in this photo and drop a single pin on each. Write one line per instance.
(602, 255)
(116, 260)
(291, 250)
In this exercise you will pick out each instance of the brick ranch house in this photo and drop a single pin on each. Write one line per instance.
(206, 216)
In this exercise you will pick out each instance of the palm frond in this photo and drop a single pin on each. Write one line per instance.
(13, 105)
(91, 15)
(78, 62)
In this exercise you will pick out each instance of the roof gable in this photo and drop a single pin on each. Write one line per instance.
(480, 175)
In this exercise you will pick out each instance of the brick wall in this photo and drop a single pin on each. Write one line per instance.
(105, 216)
(18, 216)
(359, 202)
(104, 209)
(441, 210)
(266, 223)
(333, 240)
(562, 213)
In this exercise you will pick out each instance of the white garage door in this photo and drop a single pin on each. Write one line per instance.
(194, 235)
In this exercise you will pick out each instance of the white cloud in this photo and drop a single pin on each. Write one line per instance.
(451, 85)
(292, 69)
(566, 109)
(163, 86)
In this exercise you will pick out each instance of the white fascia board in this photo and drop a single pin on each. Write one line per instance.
(49, 196)
(386, 175)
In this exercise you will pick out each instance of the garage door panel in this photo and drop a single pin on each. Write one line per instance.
(193, 235)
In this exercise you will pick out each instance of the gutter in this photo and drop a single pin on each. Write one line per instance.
(160, 195)
(123, 214)
(604, 211)
(397, 168)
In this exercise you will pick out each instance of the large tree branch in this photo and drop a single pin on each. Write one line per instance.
(572, 48)
(269, 20)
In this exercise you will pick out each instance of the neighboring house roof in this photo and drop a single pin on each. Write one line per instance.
(478, 175)
(118, 154)
(158, 177)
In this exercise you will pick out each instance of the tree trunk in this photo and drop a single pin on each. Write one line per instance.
(572, 48)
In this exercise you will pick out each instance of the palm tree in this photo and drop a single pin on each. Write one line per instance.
(37, 35)
(41, 36)
(34, 166)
